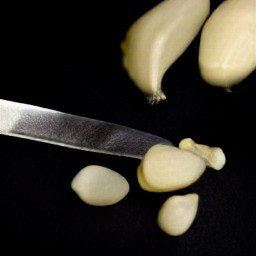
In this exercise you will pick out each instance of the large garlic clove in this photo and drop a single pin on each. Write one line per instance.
(227, 52)
(157, 39)
(144, 185)
(165, 168)
(177, 214)
(100, 186)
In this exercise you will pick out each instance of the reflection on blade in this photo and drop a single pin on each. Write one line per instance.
(54, 127)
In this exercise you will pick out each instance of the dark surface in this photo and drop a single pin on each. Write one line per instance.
(39, 211)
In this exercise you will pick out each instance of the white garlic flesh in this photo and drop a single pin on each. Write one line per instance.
(143, 184)
(227, 52)
(100, 186)
(177, 214)
(165, 168)
(157, 39)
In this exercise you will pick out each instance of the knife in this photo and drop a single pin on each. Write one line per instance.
(73, 131)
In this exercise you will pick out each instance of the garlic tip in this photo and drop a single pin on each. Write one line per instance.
(156, 98)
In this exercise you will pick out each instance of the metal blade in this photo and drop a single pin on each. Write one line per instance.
(73, 131)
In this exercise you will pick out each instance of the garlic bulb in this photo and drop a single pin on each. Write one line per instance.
(157, 39)
(227, 52)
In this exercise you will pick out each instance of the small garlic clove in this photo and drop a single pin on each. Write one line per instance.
(227, 52)
(165, 168)
(157, 39)
(177, 214)
(213, 156)
(100, 186)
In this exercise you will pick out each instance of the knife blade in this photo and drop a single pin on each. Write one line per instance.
(74, 131)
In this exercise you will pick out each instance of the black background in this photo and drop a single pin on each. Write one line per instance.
(67, 57)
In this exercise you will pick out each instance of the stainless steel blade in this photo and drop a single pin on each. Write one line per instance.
(73, 131)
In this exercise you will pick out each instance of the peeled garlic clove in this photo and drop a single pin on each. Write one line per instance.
(141, 180)
(227, 52)
(144, 185)
(165, 168)
(177, 214)
(100, 186)
(213, 156)
(157, 39)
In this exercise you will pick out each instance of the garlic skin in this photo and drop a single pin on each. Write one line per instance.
(166, 168)
(227, 52)
(177, 214)
(157, 39)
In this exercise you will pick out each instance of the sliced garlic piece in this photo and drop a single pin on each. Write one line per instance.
(158, 38)
(227, 52)
(177, 214)
(165, 168)
(100, 186)
(213, 156)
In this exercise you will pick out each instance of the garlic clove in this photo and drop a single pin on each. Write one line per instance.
(157, 39)
(165, 168)
(213, 156)
(227, 52)
(177, 214)
(100, 186)
(144, 185)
